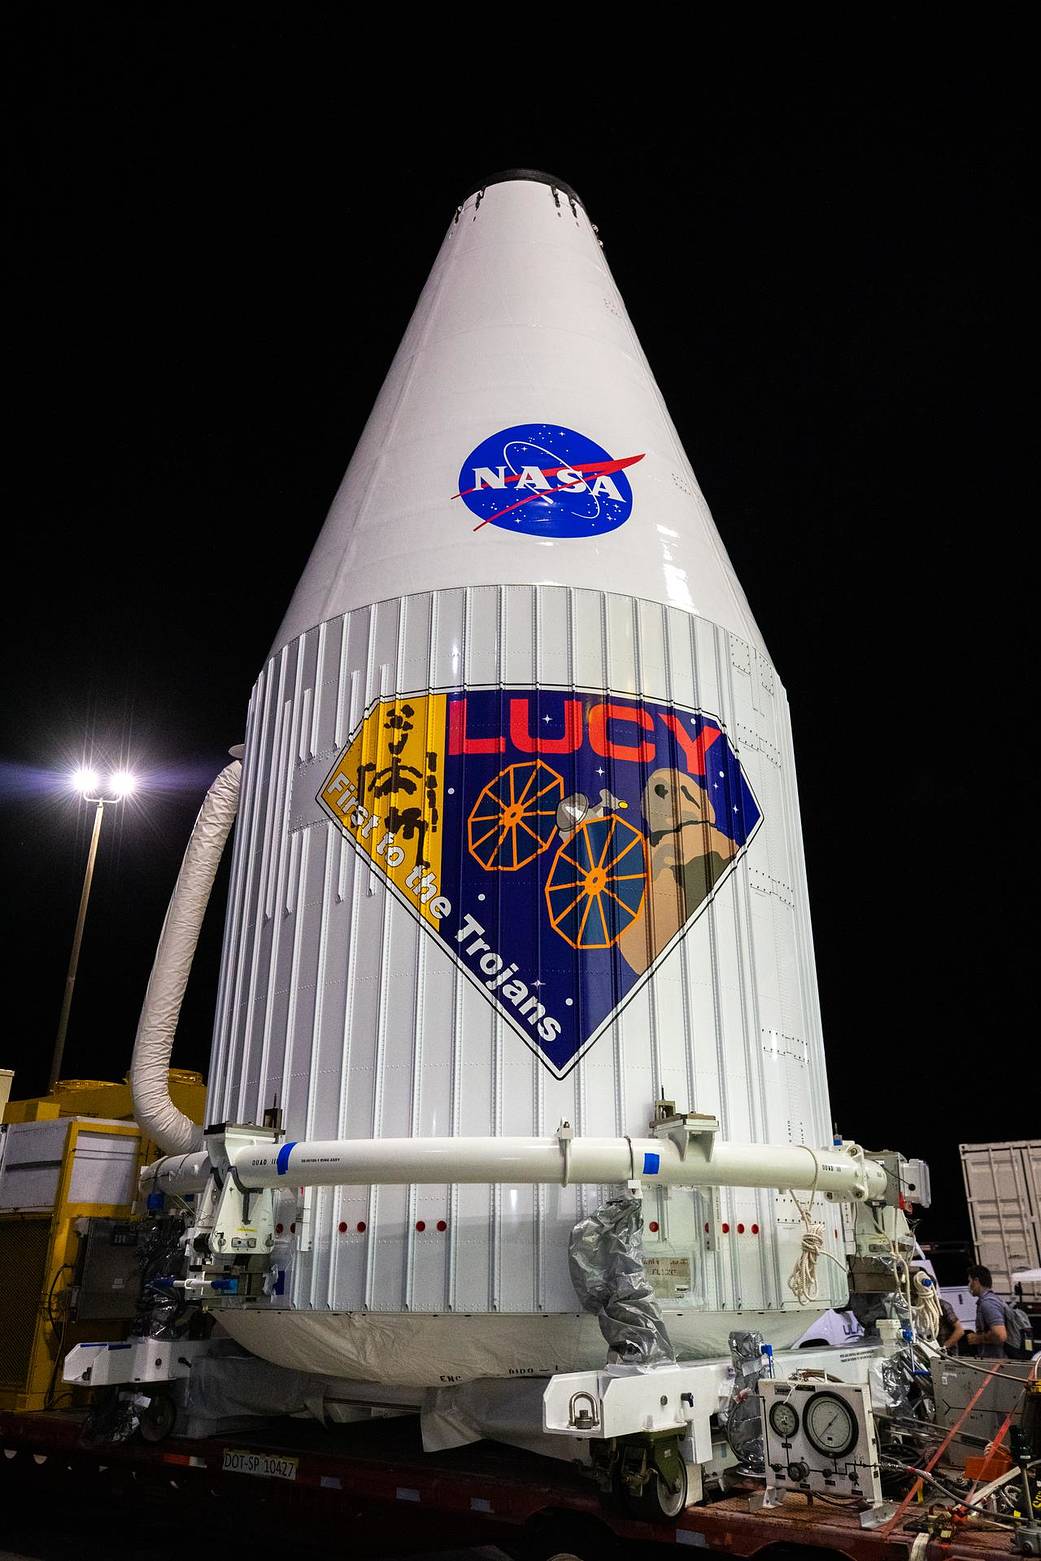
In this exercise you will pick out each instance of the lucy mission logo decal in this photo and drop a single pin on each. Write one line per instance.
(556, 844)
(546, 481)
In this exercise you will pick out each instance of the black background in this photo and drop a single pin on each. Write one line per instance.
(220, 231)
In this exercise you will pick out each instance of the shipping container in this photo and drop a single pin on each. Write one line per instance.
(1003, 1191)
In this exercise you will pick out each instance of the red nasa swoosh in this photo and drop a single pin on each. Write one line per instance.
(600, 468)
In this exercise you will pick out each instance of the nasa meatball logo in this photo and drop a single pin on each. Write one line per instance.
(546, 481)
(556, 843)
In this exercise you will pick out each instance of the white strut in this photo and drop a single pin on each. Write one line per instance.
(697, 1162)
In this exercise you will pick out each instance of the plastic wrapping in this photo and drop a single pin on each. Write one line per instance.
(163, 1310)
(741, 1416)
(605, 1256)
(901, 1385)
(224, 1384)
(420, 1349)
(869, 1307)
(507, 1410)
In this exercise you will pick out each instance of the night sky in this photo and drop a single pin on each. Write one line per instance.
(216, 249)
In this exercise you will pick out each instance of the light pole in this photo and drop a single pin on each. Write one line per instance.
(85, 782)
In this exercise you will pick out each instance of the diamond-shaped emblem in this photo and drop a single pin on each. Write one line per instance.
(557, 844)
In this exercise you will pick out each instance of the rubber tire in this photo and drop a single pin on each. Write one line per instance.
(655, 1503)
(159, 1419)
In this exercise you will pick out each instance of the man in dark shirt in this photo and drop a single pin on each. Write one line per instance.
(951, 1331)
(990, 1335)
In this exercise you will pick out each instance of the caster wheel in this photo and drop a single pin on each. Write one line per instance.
(656, 1501)
(158, 1419)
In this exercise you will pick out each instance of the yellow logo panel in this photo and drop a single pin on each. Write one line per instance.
(396, 762)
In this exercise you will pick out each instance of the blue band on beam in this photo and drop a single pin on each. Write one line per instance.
(282, 1163)
(651, 1164)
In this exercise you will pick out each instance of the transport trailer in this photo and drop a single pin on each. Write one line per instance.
(357, 1489)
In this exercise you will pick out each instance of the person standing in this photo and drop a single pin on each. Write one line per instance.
(991, 1333)
(951, 1331)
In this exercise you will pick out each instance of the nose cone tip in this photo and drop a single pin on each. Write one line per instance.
(532, 175)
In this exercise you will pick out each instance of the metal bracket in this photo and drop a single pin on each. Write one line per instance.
(230, 1244)
(565, 1133)
(877, 1517)
(710, 1240)
(583, 1419)
(685, 1127)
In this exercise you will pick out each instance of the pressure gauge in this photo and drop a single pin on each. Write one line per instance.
(830, 1425)
(783, 1419)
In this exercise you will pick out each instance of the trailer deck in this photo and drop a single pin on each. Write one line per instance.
(375, 1480)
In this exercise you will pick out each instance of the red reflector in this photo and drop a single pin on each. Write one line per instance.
(361, 1226)
(442, 1224)
(725, 1229)
(421, 1224)
(342, 1226)
(755, 1230)
(740, 1230)
(653, 1225)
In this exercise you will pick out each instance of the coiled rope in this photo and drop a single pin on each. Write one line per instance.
(803, 1281)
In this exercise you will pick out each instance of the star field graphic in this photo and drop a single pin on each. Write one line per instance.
(545, 480)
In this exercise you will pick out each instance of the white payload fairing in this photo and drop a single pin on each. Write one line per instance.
(519, 844)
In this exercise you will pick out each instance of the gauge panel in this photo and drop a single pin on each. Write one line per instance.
(830, 1425)
(784, 1419)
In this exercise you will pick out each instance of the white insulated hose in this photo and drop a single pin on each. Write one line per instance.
(154, 1111)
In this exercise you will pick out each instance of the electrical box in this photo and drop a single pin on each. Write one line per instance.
(110, 1275)
(917, 1184)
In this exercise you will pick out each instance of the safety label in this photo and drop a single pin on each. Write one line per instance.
(669, 1276)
